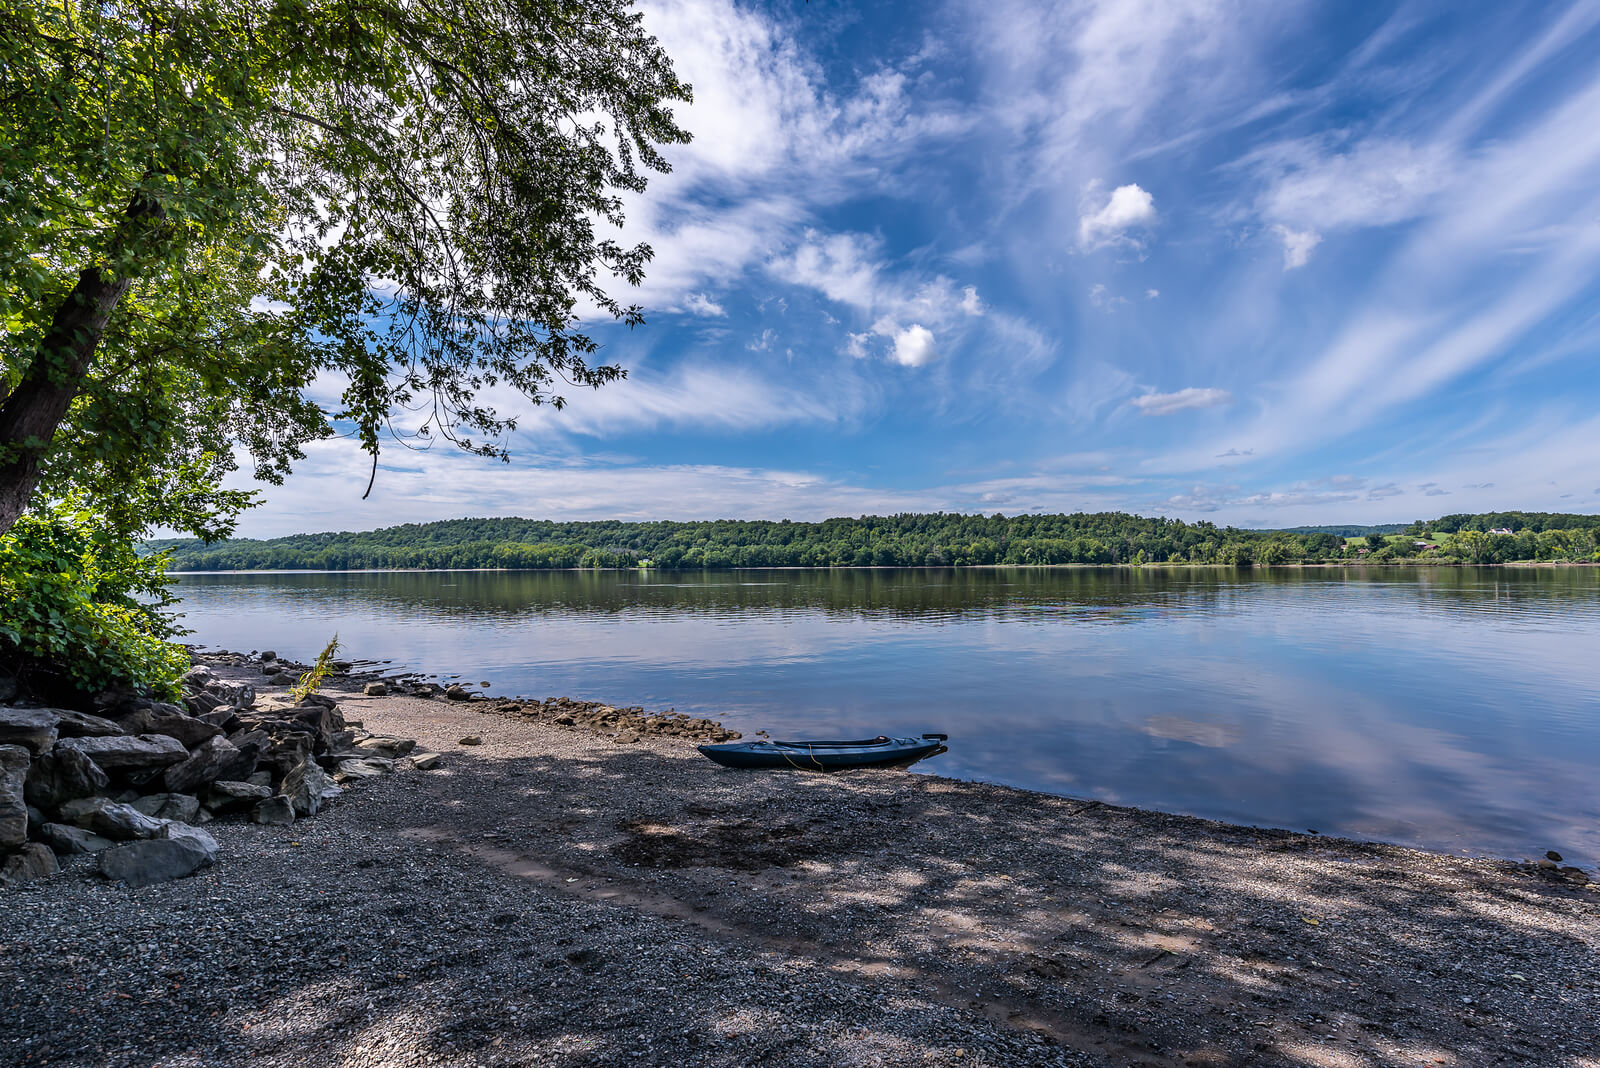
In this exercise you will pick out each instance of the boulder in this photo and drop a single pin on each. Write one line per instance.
(269, 655)
(65, 839)
(33, 861)
(204, 765)
(235, 694)
(248, 747)
(180, 807)
(110, 818)
(224, 718)
(145, 863)
(172, 721)
(62, 775)
(424, 761)
(287, 752)
(178, 831)
(458, 692)
(200, 704)
(378, 745)
(199, 676)
(13, 807)
(307, 787)
(269, 666)
(225, 796)
(130, 750)
(275, 811)
(362, 768)
(376, 689)
(471, 739)
(282, 678)
(34, 729)
(82, 725)
(260, 778)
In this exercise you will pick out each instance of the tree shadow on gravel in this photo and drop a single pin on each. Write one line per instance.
(633, 906)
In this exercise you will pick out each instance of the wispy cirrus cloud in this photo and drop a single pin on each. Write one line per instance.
(1181, 401)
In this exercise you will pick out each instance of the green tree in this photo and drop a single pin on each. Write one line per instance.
(211, 202)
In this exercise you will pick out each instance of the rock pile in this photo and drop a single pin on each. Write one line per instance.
(621, 724)
(135, 781)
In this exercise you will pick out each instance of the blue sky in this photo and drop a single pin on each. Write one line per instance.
(1259, 263)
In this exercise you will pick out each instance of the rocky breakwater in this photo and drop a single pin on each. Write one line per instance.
(133, 782)
(621, 725)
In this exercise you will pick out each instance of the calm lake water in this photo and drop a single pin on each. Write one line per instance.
(1456, 709)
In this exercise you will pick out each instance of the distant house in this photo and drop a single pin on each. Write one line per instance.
(1363, 552)
(1501, 530)
(1425, 545)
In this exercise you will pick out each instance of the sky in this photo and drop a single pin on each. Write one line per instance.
(1263, 264)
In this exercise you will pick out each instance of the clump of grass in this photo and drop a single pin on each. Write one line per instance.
(312, 680)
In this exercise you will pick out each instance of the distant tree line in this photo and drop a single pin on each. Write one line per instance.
(936, 540)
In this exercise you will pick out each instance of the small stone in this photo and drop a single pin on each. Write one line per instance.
(376, 689)
(194, 836)
(380, 745)
(1547, 864)
(424, 761)
(275, 811)
(471, 739)
(1551, 854)
(282, 678)
(627, 737)
(32, 861)
(269, 655)
(362, 768)
(458, 692)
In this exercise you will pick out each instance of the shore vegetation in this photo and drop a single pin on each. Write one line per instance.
(932, 540)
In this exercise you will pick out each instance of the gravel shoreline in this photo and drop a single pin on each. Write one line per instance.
(554, 897)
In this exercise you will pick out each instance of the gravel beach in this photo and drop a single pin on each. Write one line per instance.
(553, 896)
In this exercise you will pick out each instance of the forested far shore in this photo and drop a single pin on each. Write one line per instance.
(934, 540)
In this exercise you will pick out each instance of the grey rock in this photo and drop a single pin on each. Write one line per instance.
(32, 861)
(424, 761)
(13, 807)
(225, 796)
(269, 666)
(66, 839)
(82, 725)
(35, 815)
(235, 694)
(183, 832)
(181, 807)
(199, 705)
(282, 678)
(288, 752)
(378, 745)
(62, 775)
(158, 860)
(308, 787)
(204, 765)
(248, 747)
(130, 751)
(8, 688)
(172, 721)
(457, 692)
(110, 818)
(32, 728)
(269, 655)
(376, 689)
(471, 739)
(199, 676)
(275, 811)
(362, 768)
(260, 778)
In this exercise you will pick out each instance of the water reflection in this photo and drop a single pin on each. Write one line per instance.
(1454, 708)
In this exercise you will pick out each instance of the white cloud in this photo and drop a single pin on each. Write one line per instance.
(856, 344)
(763, 342)
(1182, 400)
(700, 304)
(1127, 207)
(1376, 182)
(1297, 245)
(970, 302)
(913, 346)
(1151, 294)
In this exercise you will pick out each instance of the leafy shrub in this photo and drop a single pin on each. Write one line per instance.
(78, 606)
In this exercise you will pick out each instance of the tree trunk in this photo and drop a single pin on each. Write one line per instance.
(33, 411)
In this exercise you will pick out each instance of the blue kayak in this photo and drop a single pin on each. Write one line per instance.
(826, 756)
